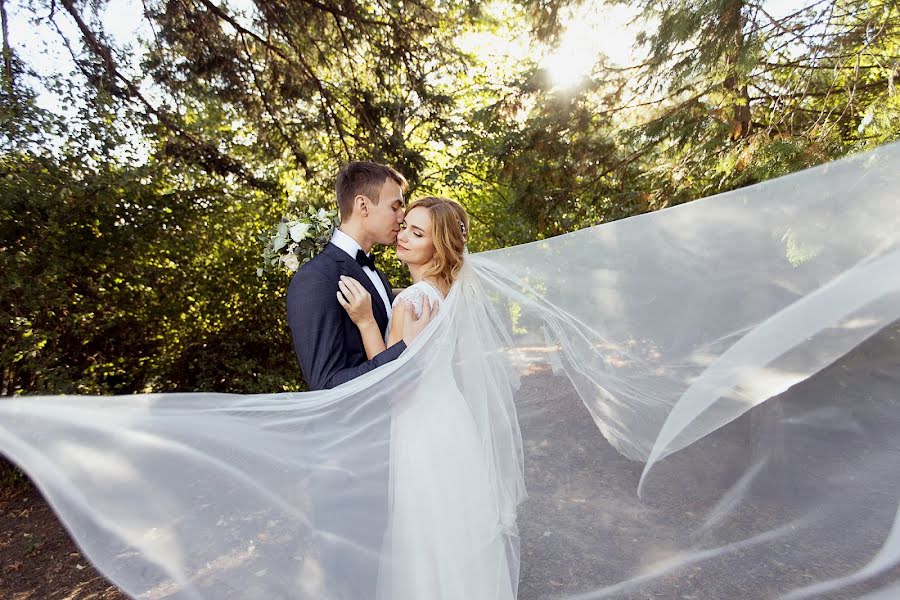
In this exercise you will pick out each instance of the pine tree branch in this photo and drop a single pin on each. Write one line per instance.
(298, 153)
(781, 20)
(224, 16)
(325, 97)
(337, 12)
(799, 63)
(869, 86)
(104, 53)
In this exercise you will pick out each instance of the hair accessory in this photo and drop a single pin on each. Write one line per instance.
(462, 227)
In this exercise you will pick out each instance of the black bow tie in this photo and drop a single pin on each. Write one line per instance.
(365, 260)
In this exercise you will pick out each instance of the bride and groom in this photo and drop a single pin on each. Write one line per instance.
(443, 533)
(329, 345)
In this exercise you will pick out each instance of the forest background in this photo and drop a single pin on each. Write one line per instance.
(138, 164)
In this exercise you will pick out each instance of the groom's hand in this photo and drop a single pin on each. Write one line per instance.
(412, 326)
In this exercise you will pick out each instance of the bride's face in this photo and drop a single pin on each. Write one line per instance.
(414, 243)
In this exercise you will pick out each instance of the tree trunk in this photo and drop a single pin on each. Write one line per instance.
(733, 21)
(7, 51)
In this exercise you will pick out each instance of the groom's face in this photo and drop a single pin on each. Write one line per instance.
(384, 219)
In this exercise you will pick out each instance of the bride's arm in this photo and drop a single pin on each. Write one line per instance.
(358, 304)
(396, 333)
(372, 340)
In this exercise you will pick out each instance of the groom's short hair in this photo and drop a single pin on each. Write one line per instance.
(364, 178)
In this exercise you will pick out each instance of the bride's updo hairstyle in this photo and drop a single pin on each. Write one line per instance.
(450, 230)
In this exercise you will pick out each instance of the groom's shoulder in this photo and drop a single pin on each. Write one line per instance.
(314, 279)
(321, 266)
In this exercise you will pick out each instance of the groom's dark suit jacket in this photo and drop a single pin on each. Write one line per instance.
(328, 344)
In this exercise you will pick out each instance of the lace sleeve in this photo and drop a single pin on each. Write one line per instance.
(413, 294)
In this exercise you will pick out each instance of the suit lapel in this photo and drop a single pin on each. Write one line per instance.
(351, 268)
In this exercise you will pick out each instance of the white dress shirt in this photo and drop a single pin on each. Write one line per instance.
(350, 246)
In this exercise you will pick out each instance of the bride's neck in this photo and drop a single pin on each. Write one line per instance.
(416, 273)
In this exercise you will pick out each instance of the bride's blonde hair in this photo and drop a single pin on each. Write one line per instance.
(449, 232)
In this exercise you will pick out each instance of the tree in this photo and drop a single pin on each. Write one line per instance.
(744, 95)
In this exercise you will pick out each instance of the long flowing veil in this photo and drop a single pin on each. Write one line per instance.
(702, 402)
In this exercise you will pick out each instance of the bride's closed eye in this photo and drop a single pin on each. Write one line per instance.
(405, 226)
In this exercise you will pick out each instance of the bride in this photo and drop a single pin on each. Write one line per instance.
(446, 538)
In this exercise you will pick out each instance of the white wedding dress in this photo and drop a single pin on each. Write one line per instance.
(445, 534)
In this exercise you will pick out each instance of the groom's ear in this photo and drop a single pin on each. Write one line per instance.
(361, 205)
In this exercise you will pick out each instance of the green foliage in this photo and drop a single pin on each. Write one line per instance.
(746, 95)
(119, 273)
(129, 230)
(10, 475)
(118, 281)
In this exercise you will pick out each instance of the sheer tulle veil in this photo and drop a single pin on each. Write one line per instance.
(701, 401)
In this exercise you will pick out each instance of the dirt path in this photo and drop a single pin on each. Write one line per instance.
(38, 560)
(582, 527)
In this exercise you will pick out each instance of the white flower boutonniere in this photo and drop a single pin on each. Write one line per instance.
(296, 239)
(300, 231)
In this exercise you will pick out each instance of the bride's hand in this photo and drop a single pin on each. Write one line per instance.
(356, 301)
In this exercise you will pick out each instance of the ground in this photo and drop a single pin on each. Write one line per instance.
(583, 526)
(38, 560)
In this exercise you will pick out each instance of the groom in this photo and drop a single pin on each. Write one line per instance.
(328, 344)
(350, 499)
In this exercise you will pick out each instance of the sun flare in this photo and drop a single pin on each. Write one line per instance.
(590, 31)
